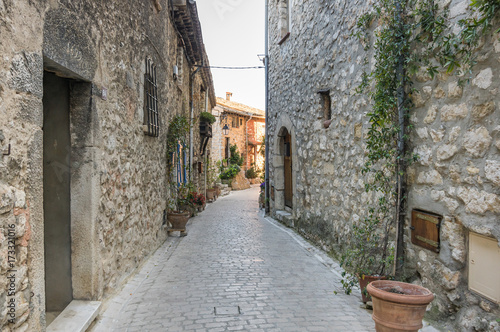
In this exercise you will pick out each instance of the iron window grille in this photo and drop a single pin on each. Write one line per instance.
(151, 104)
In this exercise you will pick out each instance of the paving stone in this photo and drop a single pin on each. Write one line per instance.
(232, 257)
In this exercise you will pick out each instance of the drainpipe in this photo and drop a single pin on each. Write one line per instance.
(206, 154)
(401, 165)
(191, 123)
(266, 59)
(246, 141)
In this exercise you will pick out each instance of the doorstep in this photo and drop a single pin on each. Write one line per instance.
(77, 317)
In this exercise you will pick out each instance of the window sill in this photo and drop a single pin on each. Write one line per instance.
(284, 38)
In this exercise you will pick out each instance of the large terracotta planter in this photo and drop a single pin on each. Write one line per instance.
(210, 194)
(398, 306)
(178, 220)
(363, 282)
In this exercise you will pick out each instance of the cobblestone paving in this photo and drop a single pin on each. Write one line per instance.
(235, 271)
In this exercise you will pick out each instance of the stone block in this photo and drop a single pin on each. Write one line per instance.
(483, 80)
(492, 171)
(477, 141)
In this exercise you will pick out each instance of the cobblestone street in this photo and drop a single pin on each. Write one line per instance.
(234, 271)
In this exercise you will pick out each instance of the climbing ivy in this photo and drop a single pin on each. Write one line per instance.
(177, 134)
(412, 35)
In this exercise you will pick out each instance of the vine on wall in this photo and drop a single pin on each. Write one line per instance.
(412, 35)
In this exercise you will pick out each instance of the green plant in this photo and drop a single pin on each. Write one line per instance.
(412, 35)
(182, 199)
(251, 173)
(236, 158)
(207, 117)
(213, 172)
(177, 134)
(230, 172)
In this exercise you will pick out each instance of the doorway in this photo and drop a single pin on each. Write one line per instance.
(288, 169)
(56, 194)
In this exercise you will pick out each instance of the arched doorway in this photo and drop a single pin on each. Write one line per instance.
(287, 155)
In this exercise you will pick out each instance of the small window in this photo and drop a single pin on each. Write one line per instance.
(226, 149)
(284, 7)
(327, 104)
(241, 122)
(151, 120)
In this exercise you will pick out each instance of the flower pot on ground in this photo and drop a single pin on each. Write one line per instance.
(178, 220)
(398, 306)
(364, 280)
(211, 195)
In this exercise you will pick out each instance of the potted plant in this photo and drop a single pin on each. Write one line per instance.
(398, 306)
(179, 210)
(198, 201)
(212, 176)
(368, 256)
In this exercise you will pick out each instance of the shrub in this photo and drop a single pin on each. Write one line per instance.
(207, 117)
(236, 158)
(251, 173)
(230, 172)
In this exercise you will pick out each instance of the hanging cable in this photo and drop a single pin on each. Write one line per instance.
(218, 67)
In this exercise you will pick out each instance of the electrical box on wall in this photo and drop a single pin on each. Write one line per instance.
(425, 229)
(484, 266)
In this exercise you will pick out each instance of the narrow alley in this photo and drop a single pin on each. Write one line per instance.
(235, 271)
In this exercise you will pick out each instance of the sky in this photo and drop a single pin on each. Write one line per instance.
(234, 34)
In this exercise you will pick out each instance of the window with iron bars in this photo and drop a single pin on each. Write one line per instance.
(151, 119)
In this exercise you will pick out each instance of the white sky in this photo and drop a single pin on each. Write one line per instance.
(233, 33)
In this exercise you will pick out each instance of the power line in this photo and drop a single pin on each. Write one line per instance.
(234, 68)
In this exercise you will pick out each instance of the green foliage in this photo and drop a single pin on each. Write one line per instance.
(413, 35)
(230, 172)
(445, 50)
(262, 150)
(251, 173)
(213, 172)
(236, 158)
(177, 134)
(207, 117)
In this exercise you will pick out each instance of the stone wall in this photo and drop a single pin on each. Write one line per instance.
(120, 179)
(456, 135)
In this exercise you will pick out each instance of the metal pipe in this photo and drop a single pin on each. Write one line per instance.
(266, 59)
(246, 141)
(191, 123)
(401, 165)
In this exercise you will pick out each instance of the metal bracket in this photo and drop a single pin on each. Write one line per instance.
(8, 151)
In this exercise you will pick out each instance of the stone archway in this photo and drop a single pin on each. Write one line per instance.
(285, 166)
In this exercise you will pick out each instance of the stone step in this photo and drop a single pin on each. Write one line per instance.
(77, 317)
(285, 218)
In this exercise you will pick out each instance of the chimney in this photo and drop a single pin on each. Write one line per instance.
(229, 95)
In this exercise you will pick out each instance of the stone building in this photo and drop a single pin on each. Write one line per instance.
(246, 129)
(87, 92)
(315, 169)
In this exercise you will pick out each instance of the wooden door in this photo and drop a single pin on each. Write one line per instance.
(288, 171)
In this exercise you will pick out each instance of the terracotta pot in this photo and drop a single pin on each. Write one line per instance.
(178, 220)
(398, 306)
(363, 282)
(210, 194)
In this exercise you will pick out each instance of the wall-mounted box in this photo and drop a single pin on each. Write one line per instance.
(484, 266)
(425, 229)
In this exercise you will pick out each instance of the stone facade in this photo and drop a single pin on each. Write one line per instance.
(456, 136)
(118, 175)
(246, 130)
